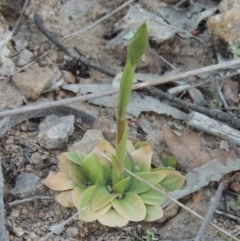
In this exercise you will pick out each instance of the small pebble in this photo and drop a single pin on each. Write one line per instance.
(15, 213)
(36, 158)
(10, 140)
(224, 145)
(24, 128)
(33, 235)
(71, 232)
(24, 211)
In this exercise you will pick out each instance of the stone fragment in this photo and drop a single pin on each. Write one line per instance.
(24, 57)
(226, 5)
(21, 39)
(224, 145)
(27, 184)
(33, 82)
(15, 213)
(54, 131)
(224, 31)
(157, 31)
(71, 232)
(69, 77)
(36, 158)
(137, 15)
(90, 139)
(169, 212)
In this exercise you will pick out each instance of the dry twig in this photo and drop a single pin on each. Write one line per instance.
(161, 80)
(212, 208)
(31, 199)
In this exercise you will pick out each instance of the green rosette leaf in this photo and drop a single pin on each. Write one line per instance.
(93, 167)
(136, 186)
(121, 186)
(173, 180)
(75, 156)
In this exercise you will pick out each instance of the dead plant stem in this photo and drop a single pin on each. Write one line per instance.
(212, 208)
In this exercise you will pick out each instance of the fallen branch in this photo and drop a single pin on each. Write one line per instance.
(213, 127)
(222, 116)
(161, 80)
(3, 233)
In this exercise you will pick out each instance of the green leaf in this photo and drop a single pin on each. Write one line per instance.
(101, 198)
(153, 213)
(140, 144)
(143, 157)
(136, 186)
(104, 150)
(130, 147)
(75, 156)
(153, 197)
(121, 186)
(173, 180)
(65, 199)
(87, 214)
(64, 163)
(113, 219)
(107, 174)
(59, 181)
(130, 207)
(93, 167)
(138, 45)
(169, 161)
(78, 176)
(77, 193)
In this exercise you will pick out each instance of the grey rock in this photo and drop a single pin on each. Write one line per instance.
(24, 57)
(27, 184)
(90, 139)
(157, 31)
(54, 131)
(71, 232)
(21, 38)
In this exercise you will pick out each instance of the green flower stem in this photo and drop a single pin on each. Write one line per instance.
(136, 49)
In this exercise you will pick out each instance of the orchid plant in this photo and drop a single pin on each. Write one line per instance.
(101, 183)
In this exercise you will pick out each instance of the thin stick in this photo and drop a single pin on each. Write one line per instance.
(227, 215)
(21, 14)
(31, 199)
(212, 208)
(98, 21)
(69, 51)
(161, 80)
(62, 225)
(178, 203)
